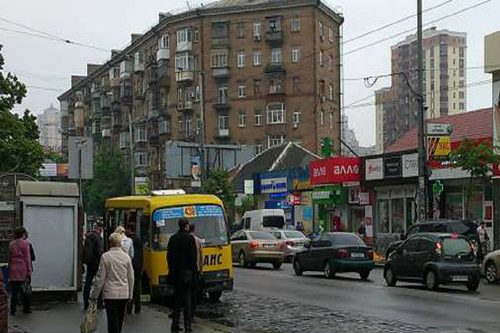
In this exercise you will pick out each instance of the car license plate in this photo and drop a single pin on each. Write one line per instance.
(460, 278)
(357, 255)
(267, 245)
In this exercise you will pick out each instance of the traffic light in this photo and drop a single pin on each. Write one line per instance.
(326, 147)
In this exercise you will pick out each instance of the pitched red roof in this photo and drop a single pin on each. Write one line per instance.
(475, 125)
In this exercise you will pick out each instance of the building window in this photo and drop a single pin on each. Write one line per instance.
(322, 117)
(257, 87)
(241, 59)
(321, 30)
(124, 139)
(296, 24)
(241, 30)
(196, 36)
(183, 62)
(258, 148)
(461, 83)
(223, 122)
(276, 85)
(461, 52)
(461, 94)
(141, 159)
(180, 123)
(222, 93)
(189, 125)
(220, 30)
(242, 119)
(330, 92)
(275, 140)
(276, 113)
(199, 125)
(164, 126)
(274, 24)
(276, 56)
(330, 116)
(321, 58)
(296, 54)
(322, 92)
(331, 63)
(140, 133)
(219, 58)
(183, 35)
(461, 72)
(242, 91)
(256, 30)
(330, 35)
(296, 115)
(461, 106)
(164, 42)
(296, 85)
(257, 58)
(258, 118)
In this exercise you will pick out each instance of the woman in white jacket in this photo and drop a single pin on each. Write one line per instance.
(115, 279)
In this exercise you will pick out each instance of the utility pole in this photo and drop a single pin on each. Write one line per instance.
(132, 164)
(422, 156)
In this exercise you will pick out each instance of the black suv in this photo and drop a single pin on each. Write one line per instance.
(434, 258)
(462, 227)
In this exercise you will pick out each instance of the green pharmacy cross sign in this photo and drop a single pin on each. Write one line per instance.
(437, 187)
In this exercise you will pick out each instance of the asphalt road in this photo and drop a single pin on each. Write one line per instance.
(446, 309)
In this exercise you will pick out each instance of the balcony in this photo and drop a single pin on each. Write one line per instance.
(184, 46)
(275, 68)
(162, 54)
(223, 133)
(106, 133)
(221, 103)
(115, 82)
(139, 67)
(185, 75)
(220, 42)
(185, 106)
(220, 72)
(274, 37)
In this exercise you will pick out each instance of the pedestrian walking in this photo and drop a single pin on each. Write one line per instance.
(19, 269)
(137, 263)
(198, 272)
(127, 244)
(92, 252)
(115, 279)
(483, 239)
(32, 252)
(181, 259)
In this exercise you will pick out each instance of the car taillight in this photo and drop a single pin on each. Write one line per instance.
(281, 245)
(472, 246)
(254, 244)
(369, 254)
(290, 243)
(342, 253)
(439, 249)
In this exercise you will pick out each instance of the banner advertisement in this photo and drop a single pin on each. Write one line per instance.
(335, 170)
(141, 185)
(374, 169)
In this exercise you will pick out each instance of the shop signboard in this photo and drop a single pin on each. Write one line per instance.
(248, 186)
(439, 129)
(438, 147)
(374, 169)
(410, 165)
(329, 195)
(141, 185)
(300, 179)
(392, 167)
(48, 170)
(335, 170)
(273, 185)
(293, 199)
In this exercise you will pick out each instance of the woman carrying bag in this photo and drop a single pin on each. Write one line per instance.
(115, 279)
(19, 270)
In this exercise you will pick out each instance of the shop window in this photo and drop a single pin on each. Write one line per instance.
(411, 212)
(454, 205)
(398, 221)
(383, 207)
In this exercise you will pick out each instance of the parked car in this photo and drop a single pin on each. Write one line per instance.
(461, 227)
(335, 252)
(434, 259)
(250, 247)
(261, 219)
(294, 241)
(491, 266)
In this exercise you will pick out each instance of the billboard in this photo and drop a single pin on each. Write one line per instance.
(335, 170)
(83, 162)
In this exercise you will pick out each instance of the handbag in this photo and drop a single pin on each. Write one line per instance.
(26, 291)
(89, 320)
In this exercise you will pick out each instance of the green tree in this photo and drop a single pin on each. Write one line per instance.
(218, 183)
(19, 146)
(53, 156)
(111, 179)
(477, 160)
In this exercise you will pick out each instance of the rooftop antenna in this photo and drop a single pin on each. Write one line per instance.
(189, 7)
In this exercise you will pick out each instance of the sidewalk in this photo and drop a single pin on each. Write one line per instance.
(65, 318)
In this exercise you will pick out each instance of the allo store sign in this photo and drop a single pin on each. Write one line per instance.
(335, 170)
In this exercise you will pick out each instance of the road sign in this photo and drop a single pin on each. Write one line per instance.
(80, 150)
(439, 129)
(437, 187)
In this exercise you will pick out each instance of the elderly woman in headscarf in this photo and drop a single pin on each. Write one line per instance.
(127, 243)
(115, 279)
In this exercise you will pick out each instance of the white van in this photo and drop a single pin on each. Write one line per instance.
(263, 218)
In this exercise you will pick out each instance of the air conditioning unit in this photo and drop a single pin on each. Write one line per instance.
(295, 125)
(256, 37)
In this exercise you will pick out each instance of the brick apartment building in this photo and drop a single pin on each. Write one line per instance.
(271, 75)
(445, 83)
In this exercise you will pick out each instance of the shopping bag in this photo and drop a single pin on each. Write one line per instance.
(89, 320)
(25, 292)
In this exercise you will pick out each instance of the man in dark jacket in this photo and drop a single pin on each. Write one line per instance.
(137, 264)
(92, 251)
(181, 259)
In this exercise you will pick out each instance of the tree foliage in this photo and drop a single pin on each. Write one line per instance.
(218, 183)
(111, 179)
(477, 159)
(19, 146)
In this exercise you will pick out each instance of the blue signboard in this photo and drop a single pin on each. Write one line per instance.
(187, 212)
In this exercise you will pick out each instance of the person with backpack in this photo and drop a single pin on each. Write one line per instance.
(92, 252)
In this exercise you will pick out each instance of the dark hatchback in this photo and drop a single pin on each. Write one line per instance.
(462, 227)
(335, 252)
(434, 259)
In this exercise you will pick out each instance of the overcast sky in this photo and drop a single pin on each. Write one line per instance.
(108, 24)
